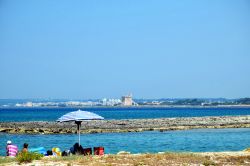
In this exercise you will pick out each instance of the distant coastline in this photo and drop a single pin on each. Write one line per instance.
(139, 106)
(126, 101)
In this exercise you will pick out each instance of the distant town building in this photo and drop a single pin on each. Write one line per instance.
(127, 100)
(110, 102)
(29, 104)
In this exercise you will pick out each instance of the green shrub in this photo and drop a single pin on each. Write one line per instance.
(25, 157)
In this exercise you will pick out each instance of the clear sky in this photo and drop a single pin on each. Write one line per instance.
(151, 48)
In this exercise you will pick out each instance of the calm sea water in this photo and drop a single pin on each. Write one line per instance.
(198, 140)
(52, 114)
(190, 140)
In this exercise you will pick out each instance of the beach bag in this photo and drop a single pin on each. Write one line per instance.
(66, 153)
(87, 151)
(56, 151)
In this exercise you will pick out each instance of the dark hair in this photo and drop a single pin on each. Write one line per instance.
(49, 153)
(76, 146)
(25, 145)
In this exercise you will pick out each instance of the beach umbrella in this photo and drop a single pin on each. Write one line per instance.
(78, 117)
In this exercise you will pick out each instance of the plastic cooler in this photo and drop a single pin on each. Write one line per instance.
(99, 150)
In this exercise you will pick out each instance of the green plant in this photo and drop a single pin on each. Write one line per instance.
(25, 157)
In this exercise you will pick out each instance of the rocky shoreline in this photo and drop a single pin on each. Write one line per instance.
(131, 125)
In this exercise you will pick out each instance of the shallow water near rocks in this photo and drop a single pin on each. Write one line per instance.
(197, 140)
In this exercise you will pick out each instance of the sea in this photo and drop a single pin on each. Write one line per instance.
(52, 114)
(195, 140)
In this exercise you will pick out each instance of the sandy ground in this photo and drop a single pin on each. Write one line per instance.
(207, 158)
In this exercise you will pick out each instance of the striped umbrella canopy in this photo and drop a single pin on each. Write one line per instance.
(78, 117)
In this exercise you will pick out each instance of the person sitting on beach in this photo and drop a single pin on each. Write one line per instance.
(11, 150)
(25, 147)
(76, 149)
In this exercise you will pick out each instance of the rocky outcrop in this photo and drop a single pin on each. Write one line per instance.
(131, 125)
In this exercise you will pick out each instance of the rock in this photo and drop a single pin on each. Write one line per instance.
(41, 130)
(123, 153)
(132, 125)
(93, 131)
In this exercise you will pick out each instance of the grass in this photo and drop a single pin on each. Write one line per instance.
(4, 160)
(21, 158)
(167, 158)
(135, 160)
(237, 160)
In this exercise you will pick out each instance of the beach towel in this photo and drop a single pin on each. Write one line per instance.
(40, 150)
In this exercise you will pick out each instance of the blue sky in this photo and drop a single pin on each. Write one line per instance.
(153, 49)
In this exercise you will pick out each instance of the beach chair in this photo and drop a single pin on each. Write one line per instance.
(99, 151)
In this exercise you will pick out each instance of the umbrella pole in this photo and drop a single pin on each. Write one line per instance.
(79, 141)
(78, 130)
